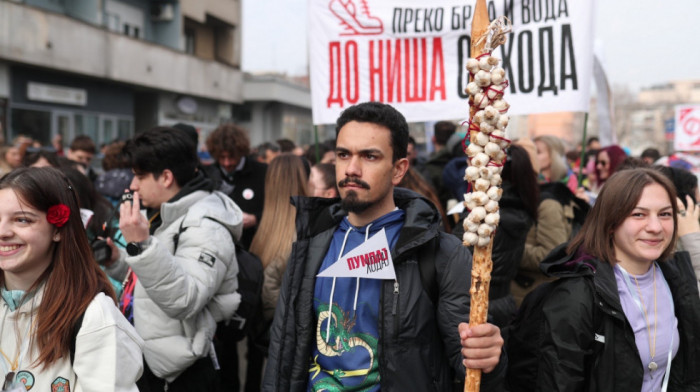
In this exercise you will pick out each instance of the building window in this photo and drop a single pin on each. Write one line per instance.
(87, 124)
(131, 31)
(124, 129)
(189, 40)
(32, 123)
(124, 18)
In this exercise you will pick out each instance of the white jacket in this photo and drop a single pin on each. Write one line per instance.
(108, 353)
(179, 298)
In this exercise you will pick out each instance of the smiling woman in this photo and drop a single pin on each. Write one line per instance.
(26, 242)
(60, 326)
(625, 311)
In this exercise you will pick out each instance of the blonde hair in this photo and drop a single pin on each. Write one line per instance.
(273, 240)
(556, 149)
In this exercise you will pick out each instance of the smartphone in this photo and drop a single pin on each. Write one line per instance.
(101, 251)
(127, 196)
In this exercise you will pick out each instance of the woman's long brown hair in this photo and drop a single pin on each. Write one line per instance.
(273, 240)
(73, 278)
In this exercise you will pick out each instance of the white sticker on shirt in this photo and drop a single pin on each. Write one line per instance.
(371, 260)
(248, 194)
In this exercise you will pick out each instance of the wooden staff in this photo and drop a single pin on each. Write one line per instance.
(481, 263)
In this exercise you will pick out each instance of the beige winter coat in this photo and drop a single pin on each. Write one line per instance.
(553, 227)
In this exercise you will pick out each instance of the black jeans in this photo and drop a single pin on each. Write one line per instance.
(201, 376)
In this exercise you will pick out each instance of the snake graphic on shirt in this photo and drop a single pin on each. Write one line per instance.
(342, 340)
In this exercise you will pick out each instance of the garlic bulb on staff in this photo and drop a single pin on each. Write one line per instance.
(495, 170)
(482, 78)
(481, 100)
(481, 198)
(491, 114)
(482, 139)
(473, 66)
(494, 193)
(491, 206)
(470, 226)
(483, 241)
(469, 238)
(480, 160)
(471, 174)
(485, 128)
(494, 92)
(498, 76)
(474, 149)
(485, 230)
(502, 122)
(482, 185)
(501, 106)
(472, 88)
(492, 218)
(486, 172)
(477, 215)
(478, 117)
(492, 150)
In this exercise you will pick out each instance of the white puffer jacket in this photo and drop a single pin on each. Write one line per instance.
(107, 350)
(179, 298)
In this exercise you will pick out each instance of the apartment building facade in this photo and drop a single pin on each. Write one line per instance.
(108, 68)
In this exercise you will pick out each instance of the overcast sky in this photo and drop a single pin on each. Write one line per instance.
(644, 42)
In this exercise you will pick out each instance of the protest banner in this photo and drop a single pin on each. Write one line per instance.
(411, 54)
(687, 132)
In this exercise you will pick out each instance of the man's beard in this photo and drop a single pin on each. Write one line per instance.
(351, 203)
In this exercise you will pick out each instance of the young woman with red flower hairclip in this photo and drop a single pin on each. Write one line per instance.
(59, 326)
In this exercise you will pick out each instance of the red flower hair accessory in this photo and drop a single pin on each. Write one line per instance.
(58, 215)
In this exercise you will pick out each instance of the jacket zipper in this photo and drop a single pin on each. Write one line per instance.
(394, 310)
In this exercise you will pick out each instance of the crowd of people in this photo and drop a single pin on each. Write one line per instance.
(127, 277)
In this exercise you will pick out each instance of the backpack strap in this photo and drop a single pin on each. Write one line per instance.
(426, 266)
(176, 237)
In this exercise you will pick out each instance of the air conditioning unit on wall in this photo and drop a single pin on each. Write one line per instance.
(162, 12)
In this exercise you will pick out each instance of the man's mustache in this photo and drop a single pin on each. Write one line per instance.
(352, 180)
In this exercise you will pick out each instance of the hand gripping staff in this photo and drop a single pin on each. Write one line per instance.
(485, 158)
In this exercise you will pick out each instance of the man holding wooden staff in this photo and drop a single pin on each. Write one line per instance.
(374, 296)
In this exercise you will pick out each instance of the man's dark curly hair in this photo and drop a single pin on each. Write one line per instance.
(229, 138)
(381, 114)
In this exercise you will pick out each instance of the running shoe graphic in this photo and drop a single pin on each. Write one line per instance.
(356, 22)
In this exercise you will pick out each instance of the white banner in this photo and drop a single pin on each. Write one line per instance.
(412, 54)
(687, 132)
(371, 260)
(604, 105)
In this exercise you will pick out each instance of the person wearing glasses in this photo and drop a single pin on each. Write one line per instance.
(606, 163)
